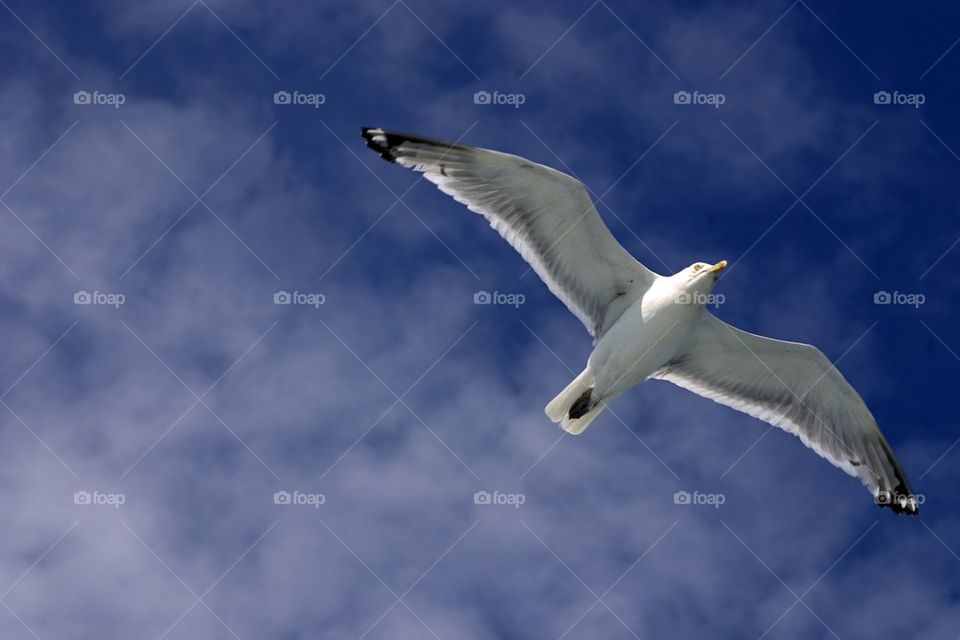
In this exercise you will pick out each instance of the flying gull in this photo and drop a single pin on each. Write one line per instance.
(646, 325)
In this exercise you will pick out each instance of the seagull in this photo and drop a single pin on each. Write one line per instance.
(648, 326)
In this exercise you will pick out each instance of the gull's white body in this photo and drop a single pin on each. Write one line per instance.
(646, 337)
(650, 326)
(650, 334)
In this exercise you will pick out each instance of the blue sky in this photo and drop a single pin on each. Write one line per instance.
(148, 436)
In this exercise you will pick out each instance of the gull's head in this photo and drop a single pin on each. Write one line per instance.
(701, 271)
(696, 281)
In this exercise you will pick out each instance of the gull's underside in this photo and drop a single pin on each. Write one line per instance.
(548, 217)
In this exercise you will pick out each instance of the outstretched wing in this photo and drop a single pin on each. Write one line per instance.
(546, 215)
(793, 386)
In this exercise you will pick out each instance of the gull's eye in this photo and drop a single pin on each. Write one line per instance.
(697, 267)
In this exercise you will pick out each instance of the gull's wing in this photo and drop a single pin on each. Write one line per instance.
(792, 386)
(546, 215)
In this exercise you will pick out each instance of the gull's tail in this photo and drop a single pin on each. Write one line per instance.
(575, 407)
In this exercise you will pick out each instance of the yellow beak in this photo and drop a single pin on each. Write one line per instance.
(717, 267)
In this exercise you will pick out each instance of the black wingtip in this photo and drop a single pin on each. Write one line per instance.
(901, 501)
(379, 140)
(387, 143)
